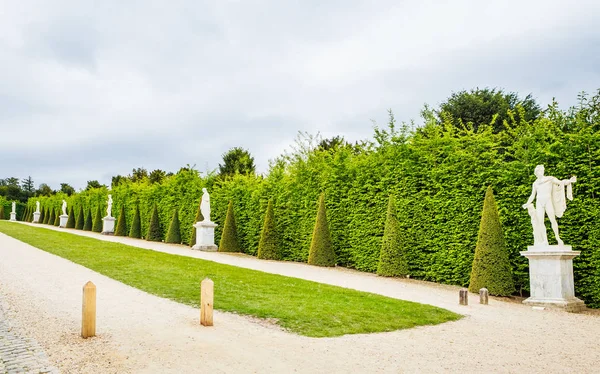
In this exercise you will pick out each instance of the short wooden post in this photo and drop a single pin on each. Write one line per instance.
(88, 314)
(483, 296)
(206, 302)
(463, 297)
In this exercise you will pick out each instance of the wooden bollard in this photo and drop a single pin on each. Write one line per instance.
(88, 314)
(483, 296)
(206, 302)
(463, 297)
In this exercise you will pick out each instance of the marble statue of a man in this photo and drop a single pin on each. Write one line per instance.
(14, 207)
(64, 207)
(205, 206)
(37, 206)
(549, 195)
(109, 206)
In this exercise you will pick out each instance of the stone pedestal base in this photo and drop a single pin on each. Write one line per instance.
(551, 277)
(205, 236)
(63, 220)
(36, 217)
(13, 216)
(108, 225)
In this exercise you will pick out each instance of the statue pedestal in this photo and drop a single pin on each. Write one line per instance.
(108, 225)
(13, 216)
(205, 236)
(63, 220)
(36, 217)
(551, 277)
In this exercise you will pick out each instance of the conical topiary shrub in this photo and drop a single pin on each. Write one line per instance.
(30, 215)
(199, 218)
(136, 226)
(121, 223)
(80, 222)
(51, 217)
(57, 218)
(174, 233)
(392, 259)
(42, 216)
(154, 231)
(1, 211)
(97, 225)
(268, 246)
(89, 222)
(47, 216)
(229, 239)
(321, 248)
(25, 213)
(71, 220)
(491, 265)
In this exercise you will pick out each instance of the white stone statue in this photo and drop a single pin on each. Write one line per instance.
(14, 207)
(549, 195)
(37, 207)
(109, 206)
(64, 207)
(205, 206)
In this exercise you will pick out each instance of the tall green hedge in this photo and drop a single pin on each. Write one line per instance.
(393, 261)
(154, 230)
(321, 248)
(269, 247)
(438, 174)
(491, 266)
(229, 240)
(121, 223)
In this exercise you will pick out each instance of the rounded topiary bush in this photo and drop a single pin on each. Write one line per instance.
(154, 230)
(136, 225)
(229, 239)
(174, 232)
(121, 223)
(491, 265)
(392, 259)
(321, 248)
(268, 246)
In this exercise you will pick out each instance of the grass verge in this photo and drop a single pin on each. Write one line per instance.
(299, 306)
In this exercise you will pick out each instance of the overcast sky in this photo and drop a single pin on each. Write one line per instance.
(91, 89)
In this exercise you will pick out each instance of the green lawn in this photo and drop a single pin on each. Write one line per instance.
(303, 307)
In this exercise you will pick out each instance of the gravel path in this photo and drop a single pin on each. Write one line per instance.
(138, 332)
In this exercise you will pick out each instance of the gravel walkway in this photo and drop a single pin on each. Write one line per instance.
(138, 332)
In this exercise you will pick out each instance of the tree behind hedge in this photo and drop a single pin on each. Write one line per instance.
(174, 233)
(229, 238)
(392, 259)
(56, 218)
(97, 225)
(89, 222)
(198, 218)
(80, 222)
(51, 217)
(71, 220)
(154, 230)
(491, 265)
(121, 223)
(136, 226)
(321, 248)
(268, 246)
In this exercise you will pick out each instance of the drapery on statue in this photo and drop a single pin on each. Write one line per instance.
(64, 208)
(205, 206)
(37, 206)
(550, 193)
(109, 206)
(14, 207)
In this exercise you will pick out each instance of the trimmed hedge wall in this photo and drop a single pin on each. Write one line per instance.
(438, 175)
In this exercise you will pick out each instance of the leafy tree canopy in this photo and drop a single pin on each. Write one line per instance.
(237, 161)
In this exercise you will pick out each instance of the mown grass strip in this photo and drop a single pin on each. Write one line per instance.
(300, 306)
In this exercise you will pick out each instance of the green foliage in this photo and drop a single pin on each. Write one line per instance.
(2, 215)
(71, 220)
(56, 221)
(42, 218)
(174, 232)
(121, 223)
(154, 230)
(491, 266)
(89, 222)
(51, 217)
(80, 222)
(229, 239)
(98, 224)
(198, 218)
(269, 247)
(321, 248)
(237, 161)
(25, 214)
(136, 226)
(392, 260)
